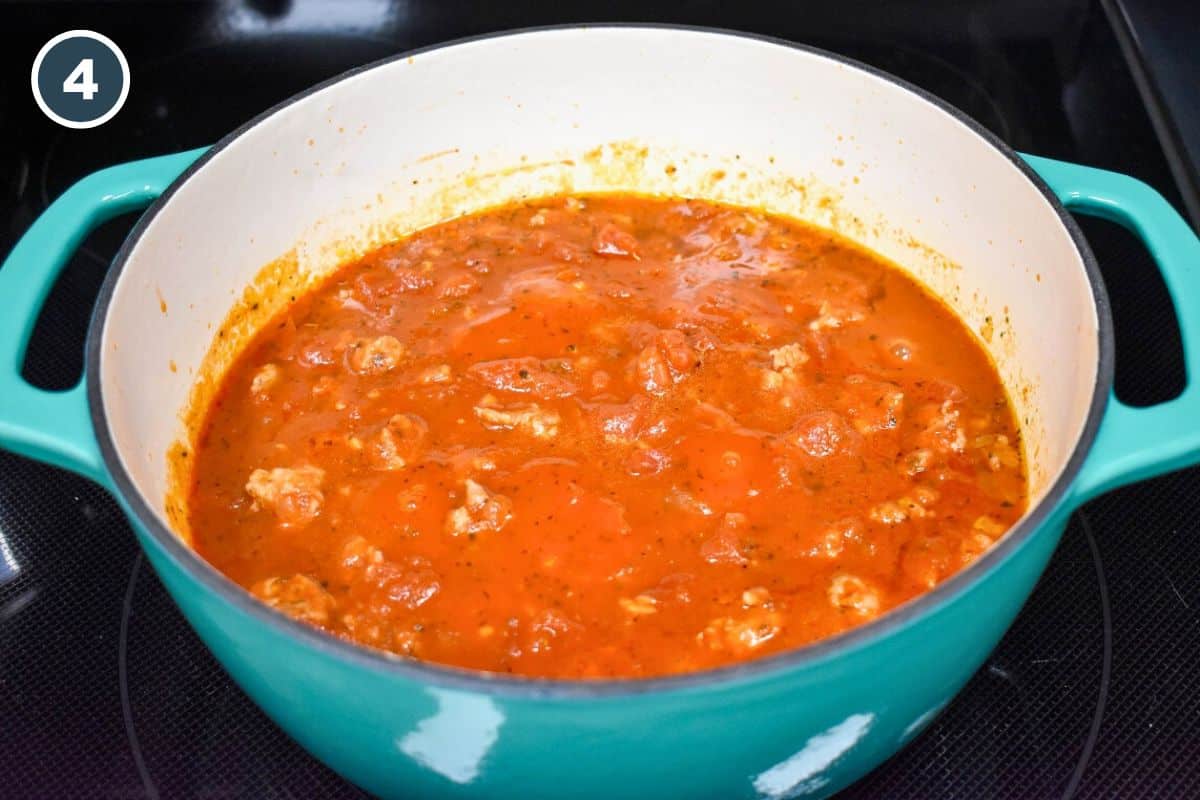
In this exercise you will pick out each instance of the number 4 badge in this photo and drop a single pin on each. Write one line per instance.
(80, 79)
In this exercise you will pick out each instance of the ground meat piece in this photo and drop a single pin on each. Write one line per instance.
(911, 506)
(399, 443)
(323, 349)
(646, 461)
(324, 385)
(788, 356)
(764, 328)
(973, 547)
(917, 461)
(925, 495)
(997, 451)
(406, 281)
(664, 362)
(943, 429)
(889, 513)
(407, 585)
(638, 606)
(837, 296)
(822, 434)
(545, 628)
(726, 224)
(459, 285)
(266, 377)
(773, 380)
(926, 561)
(481, 512)
(612, 241)
(672, 589)
(743, 633)
(438, 374)
(851, 593)
(990, 526)
(619, 422)
(652, 371)
(873, 406)
(985, 531)
(675, 349)
(294, 494)
(531, 419)
(374, 356)
(468, 462)
(914, 508)
(784, 374)
(368, 629)
(833, 314)
(358, 555)
(522, 376)
(404, 274)
(834, 538)
(756, 596)
(299, 596)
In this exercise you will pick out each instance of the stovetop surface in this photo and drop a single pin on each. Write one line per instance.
(105, 691)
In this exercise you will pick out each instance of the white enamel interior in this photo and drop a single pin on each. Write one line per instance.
(405, 144)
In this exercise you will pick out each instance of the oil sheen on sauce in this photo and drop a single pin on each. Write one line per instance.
(605, 436)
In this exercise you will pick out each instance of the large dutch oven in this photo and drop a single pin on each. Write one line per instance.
(444, 131)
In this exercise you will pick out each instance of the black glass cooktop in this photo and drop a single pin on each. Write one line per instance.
(104, 690)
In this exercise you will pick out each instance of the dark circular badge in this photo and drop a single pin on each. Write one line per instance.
(80, 79)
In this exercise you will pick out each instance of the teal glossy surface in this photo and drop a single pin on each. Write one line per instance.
(1138, 443)
(56, 427)
(805, 726)
(792, 732)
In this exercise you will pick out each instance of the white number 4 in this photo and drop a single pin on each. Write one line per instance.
(80, 80)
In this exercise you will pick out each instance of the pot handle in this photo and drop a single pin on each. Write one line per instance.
(56, 427)
(1138, 443)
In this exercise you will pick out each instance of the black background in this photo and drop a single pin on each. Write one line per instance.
(105, 692)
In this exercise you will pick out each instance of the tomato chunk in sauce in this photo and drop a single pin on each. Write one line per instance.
(605, 436)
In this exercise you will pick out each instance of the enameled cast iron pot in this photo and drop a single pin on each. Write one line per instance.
(459, 127)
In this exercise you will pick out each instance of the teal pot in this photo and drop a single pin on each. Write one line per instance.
(409, 141)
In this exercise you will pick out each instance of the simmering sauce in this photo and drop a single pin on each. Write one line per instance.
(608, 436)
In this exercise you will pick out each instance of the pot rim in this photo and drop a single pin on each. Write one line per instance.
(440, 675)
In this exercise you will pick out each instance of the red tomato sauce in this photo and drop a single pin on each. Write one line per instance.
(611, 436)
